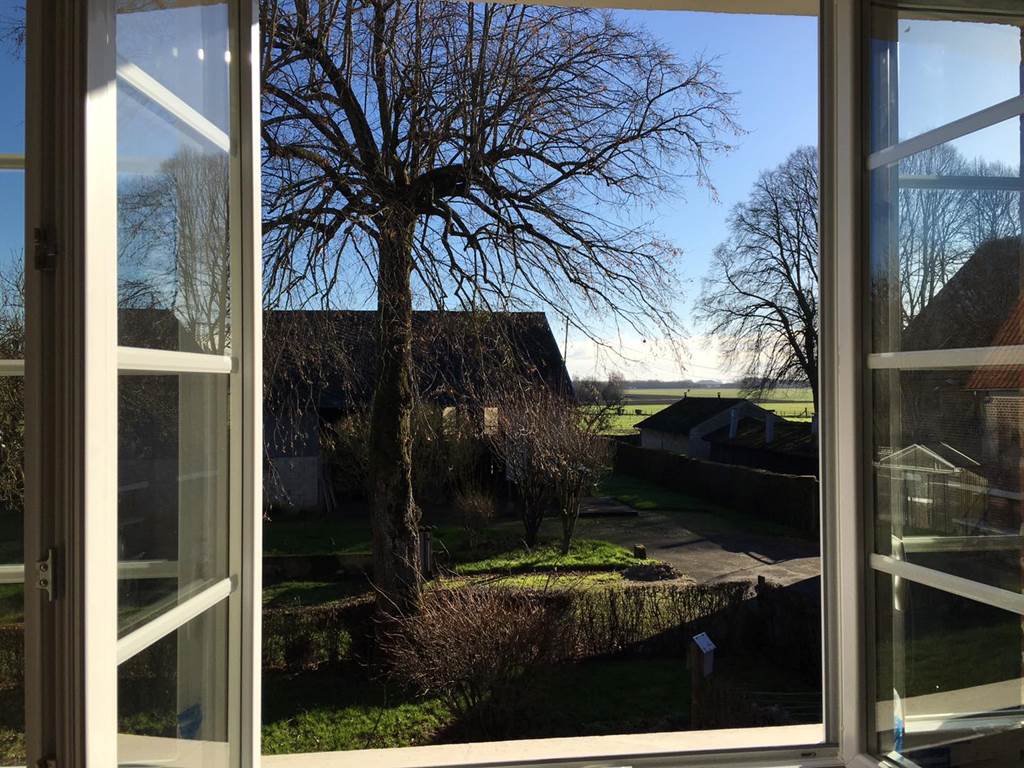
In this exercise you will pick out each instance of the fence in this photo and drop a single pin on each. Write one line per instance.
(790, 500)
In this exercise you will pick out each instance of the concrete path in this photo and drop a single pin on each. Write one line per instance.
(704, 546)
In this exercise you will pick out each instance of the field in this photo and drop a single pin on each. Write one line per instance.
(793, 403)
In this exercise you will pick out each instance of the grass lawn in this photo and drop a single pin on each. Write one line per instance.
(289, 594)
(790, 403)
(585, 555)
(644, 495)
(352, 537)
(498, 549)
(315, 711)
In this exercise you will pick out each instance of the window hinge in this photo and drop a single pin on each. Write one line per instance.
(44, 574)
(47, 762)
(45, 252)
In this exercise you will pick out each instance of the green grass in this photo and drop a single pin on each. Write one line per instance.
(316, 537)
(790, 403)
(300, 593)
(12, 603)
(317, 712)
(352, 538)
(585, 555)
(643, 495)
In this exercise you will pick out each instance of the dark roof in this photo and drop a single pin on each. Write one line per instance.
(457, 356)
(791, 437)
(980, 306)
(683, 415)
(972, 308)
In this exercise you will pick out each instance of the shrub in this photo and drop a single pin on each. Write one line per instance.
(478, 649)
(476, 509)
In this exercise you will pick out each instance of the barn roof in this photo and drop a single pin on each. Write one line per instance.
(457, 356)
(685, 414)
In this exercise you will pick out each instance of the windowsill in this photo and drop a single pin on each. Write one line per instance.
(603, 748)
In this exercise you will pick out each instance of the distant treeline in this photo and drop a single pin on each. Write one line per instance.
(704, 384)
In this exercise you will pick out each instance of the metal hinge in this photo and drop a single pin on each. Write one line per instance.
(45, 253)
(44, 574)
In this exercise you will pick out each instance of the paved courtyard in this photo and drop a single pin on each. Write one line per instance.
(703, 546)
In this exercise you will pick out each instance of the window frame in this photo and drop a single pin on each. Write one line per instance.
(71, 351)
(72, 364)
(844, 728)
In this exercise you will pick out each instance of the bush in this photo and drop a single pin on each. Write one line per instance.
(479, 650)
(476, 509)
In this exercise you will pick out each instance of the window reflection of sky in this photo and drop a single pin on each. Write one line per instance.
(182, 52)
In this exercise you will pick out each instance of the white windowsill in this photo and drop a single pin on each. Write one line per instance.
(591, 748)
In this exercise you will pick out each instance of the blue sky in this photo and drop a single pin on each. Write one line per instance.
(770, 63)
(12, 141)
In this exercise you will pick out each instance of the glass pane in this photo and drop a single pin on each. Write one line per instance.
(946, 245)
(173, 130)
(12, 405)
(948, 674)
(172, 491)
(172, 697)
(947, 470)
(940, 70)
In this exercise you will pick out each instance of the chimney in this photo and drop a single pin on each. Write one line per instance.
(734, 421)
(769, 427)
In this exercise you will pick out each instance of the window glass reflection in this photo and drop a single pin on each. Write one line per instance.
(946, 69)
(173, 131)
(948, 676)
(945, 244)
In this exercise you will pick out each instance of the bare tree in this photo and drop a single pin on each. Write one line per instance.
(552, 455)
(469, 153)
(760, 297)
(932, 225)
(173, 247)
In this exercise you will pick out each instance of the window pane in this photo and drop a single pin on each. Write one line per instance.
(948, 673)
(947, 469)
(172, 697)
(173, 176)
(172, 491)
(945, 245)
(941, 70)
(12, 405)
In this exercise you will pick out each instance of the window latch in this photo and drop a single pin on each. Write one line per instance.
(44, 574)
(45, 253)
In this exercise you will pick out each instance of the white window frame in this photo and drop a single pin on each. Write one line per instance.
(842, 739)
(71, 647)
(71, 370)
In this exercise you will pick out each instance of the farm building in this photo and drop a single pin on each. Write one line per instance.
(732, 430)
(460, 359)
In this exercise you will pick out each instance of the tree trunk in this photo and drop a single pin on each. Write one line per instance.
(395, 516)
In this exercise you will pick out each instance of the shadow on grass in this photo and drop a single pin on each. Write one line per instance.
(347, 709)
